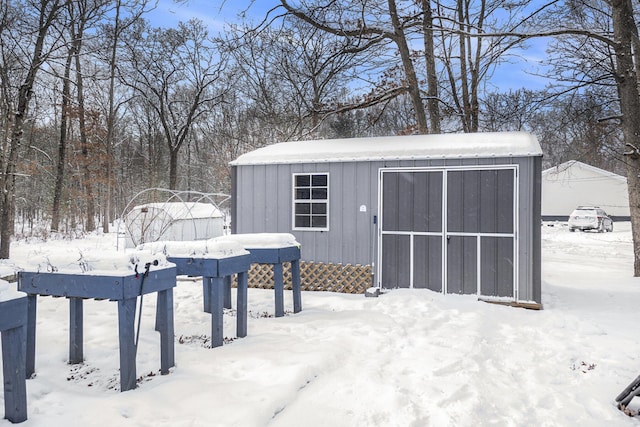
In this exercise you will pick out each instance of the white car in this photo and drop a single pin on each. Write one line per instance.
(590, 218)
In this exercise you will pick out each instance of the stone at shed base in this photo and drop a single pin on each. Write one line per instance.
(372, 292)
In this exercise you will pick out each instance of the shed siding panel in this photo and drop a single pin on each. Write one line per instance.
(497, 266)
(462, 267)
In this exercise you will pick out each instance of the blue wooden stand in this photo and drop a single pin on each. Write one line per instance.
(216, 281)
(124, 290)
(275, 257)
(13, 322)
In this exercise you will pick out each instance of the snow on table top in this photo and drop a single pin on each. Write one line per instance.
(8, 291)
(261, 240)
(409, 147)
(195, 248)
(93, 262)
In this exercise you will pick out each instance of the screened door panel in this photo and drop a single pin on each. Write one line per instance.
(480, 201)
(412, 201)
(496, 272)
(427, 262)
(396, 261)
(463, 207)
(462, 265)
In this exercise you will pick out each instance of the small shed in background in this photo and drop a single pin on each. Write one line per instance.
(179, 221)
(455, 213)
(572, 184)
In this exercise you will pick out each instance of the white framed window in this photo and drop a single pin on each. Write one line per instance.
(311, 201)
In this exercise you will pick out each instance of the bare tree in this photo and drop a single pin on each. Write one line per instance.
(39, 16)
(175, 71)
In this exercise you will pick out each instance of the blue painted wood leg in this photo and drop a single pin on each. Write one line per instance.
(75, 331)
(241, 320)
(126, 328)
(295, 285)
(31, 335)
(206, 294)
(164, 325)
(13, 370)
(217, 306)
(278, 287)
(227, 291)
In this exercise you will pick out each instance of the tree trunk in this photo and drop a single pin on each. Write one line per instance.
(111, 120)
(84, 139)
(173, 169)
(407, 64)
(433, 101)
(62, 144)
(627, 81)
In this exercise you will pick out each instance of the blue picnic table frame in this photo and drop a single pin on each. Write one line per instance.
(124, 289)
(275, 257)
(13, 324)
(217, 274)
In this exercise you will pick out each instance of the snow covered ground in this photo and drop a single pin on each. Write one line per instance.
(407, 358)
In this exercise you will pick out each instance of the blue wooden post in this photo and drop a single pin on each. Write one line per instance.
(227, 291)
(75, 331)
(278, 287)
(13, 324)
(31, 335)
(13, 370)
(206, 294)
(217, 305)
(126, 328)
(295, 284)
(243, 285)
(164, 325)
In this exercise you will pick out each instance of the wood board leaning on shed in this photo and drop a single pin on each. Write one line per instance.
(454, 213)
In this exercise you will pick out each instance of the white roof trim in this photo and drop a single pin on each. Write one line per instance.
(411, 147)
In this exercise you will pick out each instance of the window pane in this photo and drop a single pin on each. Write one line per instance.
(303, 180)
(303, 194)
(303, 208)
(319, 194)
(319, 208)
(303, 221)
(319, 180)
(319, 221)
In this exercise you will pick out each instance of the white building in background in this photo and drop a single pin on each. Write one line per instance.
(179, 221)
(572, 184)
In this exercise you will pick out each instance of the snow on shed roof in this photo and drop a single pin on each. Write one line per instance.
(184, 210)
(445, 146)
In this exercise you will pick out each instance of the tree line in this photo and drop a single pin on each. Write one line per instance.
(98, 103)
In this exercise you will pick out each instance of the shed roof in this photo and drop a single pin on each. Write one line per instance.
(410, 147)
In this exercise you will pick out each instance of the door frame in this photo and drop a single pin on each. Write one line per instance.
(444, 231)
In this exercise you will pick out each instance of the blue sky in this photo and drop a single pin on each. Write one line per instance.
(217, 13)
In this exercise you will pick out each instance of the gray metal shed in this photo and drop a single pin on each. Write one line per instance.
(454, 213)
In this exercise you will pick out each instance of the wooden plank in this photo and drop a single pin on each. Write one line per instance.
(75, 331)
(31, 335)
(164, 325)
(126, 324)
(241, 314)
(278, 287)
(13, 370)
(295, 285)
(518, 304)
(217, 301)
